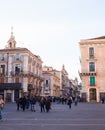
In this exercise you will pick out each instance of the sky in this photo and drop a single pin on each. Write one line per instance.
(52, 29)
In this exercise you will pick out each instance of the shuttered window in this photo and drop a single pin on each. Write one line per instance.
(92, 80)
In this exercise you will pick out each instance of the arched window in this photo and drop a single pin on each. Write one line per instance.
(10, 44)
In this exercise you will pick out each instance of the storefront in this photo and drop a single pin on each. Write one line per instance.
(10, 91)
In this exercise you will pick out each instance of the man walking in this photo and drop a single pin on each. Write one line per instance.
(33, 102)
(70, 102)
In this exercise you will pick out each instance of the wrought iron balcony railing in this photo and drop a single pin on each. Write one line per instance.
(26, 73)
(87, 74)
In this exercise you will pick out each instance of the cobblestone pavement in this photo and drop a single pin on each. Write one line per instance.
(85, 116)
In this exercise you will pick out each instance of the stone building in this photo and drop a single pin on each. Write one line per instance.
(51, 84)
(92, 69)
(64, 81)
(56, 83)
(20, 71)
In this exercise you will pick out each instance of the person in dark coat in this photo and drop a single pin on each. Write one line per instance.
(23, 102)
(18, 103)
(47, 104)
(103, 100)
(70, 102)
(27, 102)
(42, 104)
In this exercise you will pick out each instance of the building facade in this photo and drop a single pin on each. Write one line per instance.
(20, 71)
(92, 69)
(51, 84)
(56, 83)
(64, 81)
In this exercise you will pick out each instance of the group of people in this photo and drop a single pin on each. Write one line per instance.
(29, 102)
(72, 100)
(64, 99)
(26, 102)
(45, 104)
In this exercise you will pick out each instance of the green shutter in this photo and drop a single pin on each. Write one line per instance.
(92, 80)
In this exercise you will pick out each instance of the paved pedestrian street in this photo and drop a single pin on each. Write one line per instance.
(85, 116)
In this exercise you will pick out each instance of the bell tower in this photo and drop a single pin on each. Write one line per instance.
(11, 43)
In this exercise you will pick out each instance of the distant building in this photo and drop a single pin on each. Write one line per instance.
(56, 83)
(51, 84)
(92, 69)
(74, 87)
(20, 71)
(64, 82)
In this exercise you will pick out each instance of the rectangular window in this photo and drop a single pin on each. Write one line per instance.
(17, 68)
(92, 80)
(47, 82)
(91, 66)
(91, 52)
(2, 57)
(17, 56)
(2, 69)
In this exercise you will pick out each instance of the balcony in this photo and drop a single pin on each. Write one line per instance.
(46, 91)
(26, 74)
(46, 85)
(17, 59)
(91, 58)
(22, 73)
(87, 74)
(46, 88)
(15, 73)
(2, 74)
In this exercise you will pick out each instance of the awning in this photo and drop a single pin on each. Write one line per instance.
(10, 86)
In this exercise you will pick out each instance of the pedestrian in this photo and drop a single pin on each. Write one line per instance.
(103, 100)
(18, 103)
(1, 107)
(42, 104)
(69, 102)
(47, 104)
(33, 102)
(23, 102)
(75, 101)
(27, 102)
